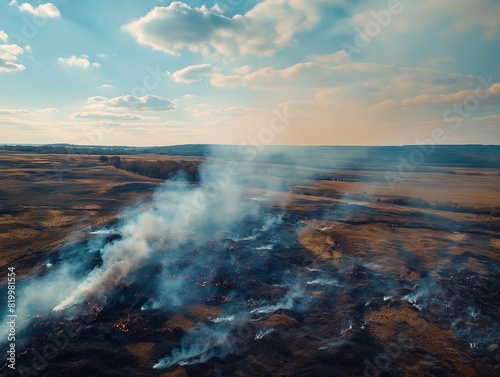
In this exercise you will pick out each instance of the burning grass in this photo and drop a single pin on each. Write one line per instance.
(312, 287)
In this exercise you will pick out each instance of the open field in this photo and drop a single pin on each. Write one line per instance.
(414, 268)
(47, 201)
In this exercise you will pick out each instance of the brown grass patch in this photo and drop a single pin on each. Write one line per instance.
(180, 322)
(141, 351)
(179, 372)
(319, 244)
(437, 341)
(280, 320)
(203, 313)
(495, 242)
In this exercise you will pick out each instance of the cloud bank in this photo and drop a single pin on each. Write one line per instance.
(268, 26)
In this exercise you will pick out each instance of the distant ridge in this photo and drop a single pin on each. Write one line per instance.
(466, 155)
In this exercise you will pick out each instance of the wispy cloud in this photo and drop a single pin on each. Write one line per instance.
(80, 62)
(13, 111)
(47, 10)
(48, 110)
(193, 73)
(108, 116)
(3, 36)
(337, 57)
(146, 103)
(9, 54)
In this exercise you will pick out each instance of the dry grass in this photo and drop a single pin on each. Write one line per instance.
(465, 190)
(141, 352)
(39, 213)
(382, 246)
(385, 325)
(180, 322)
(495, 242)
(280, 320)
(48, 201)
(321, 245)
(203, 313)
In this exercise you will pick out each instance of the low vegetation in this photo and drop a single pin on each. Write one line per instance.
(160, 169)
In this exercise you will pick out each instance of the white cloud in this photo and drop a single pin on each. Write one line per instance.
(106, 86)
(227, 81)
(8, 58)
(299, 76)
(243, 70)
(337, 58)
(335, 103)
(81, 62)
(3, 36)
(108, 116)
(268, 26)
(146, 103)
(48, 110)
(193, 73)
(396, 81)
(13, 111)
(47, 10)
(490, 95)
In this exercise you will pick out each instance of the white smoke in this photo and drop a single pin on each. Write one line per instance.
(202, 345)
(229, 318)
(262, 333)
(294, 295)
(322, 282)
(39, 295)
(178, 213)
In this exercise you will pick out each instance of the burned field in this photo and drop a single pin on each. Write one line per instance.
(326, 273)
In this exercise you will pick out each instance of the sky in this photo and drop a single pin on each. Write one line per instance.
(298, 72)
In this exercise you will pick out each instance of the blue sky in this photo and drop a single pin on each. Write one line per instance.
(335, 72)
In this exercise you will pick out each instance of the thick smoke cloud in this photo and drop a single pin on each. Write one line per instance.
(179, 213)
(179, 218)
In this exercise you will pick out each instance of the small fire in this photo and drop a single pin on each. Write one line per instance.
(121, 326)
(219, 299)
(165, 330)
(224, 283)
